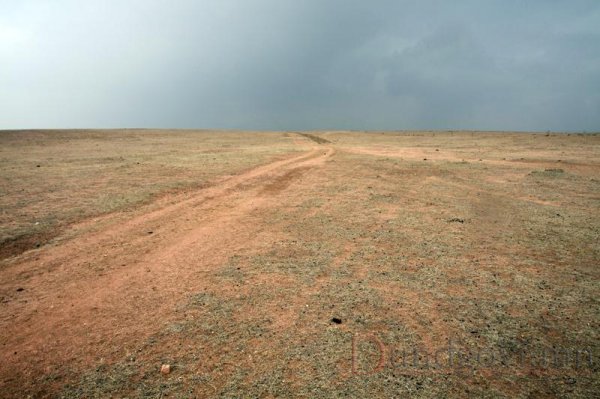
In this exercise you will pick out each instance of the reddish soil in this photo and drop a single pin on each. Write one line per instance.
(91, 297)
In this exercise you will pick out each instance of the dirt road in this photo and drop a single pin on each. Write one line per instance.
(256, 284)
(88, 298)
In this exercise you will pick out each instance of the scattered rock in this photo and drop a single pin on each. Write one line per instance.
(150, 232)
(424, 159)
(165, 369)
(20, 289)
(336, 320)
(37, 166)
(456, 220)
(437, 149)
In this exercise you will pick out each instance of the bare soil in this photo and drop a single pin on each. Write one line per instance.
(318, 264)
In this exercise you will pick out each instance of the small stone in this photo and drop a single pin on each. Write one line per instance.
(165, 369)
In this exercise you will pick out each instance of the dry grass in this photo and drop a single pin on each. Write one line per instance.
(498, 255)
(50, 179)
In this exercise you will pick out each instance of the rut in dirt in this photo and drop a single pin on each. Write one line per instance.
(112, 288)
(316, 139)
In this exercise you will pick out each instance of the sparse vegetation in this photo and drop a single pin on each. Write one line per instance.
(51, 179)
(259, 289)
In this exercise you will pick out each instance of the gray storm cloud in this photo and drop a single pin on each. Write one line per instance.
(282, 64)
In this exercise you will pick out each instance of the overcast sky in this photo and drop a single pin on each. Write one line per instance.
(301, 64)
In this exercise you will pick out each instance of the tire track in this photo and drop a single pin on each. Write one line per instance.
(93, 295)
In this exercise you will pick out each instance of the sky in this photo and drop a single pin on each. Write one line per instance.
(301, 64)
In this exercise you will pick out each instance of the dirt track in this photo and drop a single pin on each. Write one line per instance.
(489, 239)
(109, 289)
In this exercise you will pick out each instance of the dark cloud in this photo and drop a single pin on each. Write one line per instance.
(283, 64)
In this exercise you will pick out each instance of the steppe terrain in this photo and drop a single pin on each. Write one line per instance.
(299, 264)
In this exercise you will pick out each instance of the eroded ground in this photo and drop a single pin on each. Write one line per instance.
(300, 265)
